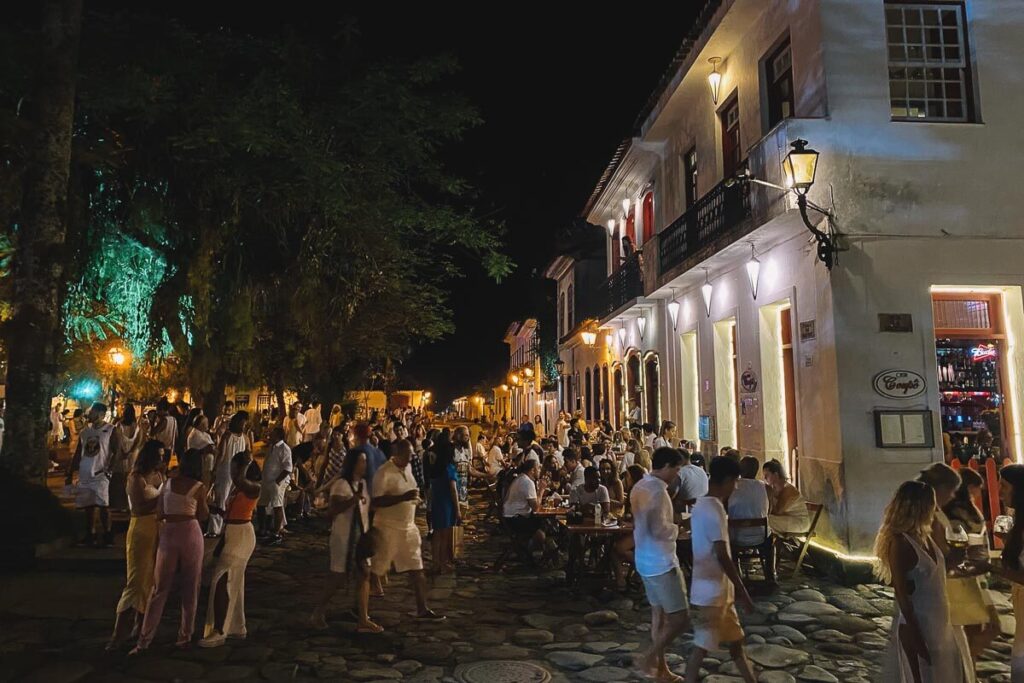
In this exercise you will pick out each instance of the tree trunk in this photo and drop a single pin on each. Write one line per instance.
(282, 409)
(34, 335)
(213, 400)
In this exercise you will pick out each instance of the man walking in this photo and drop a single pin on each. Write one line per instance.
(395, 496)
(716, 580)
(654, 534)
(277, 469)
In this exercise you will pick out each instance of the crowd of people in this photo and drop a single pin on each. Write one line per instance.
(368, 479)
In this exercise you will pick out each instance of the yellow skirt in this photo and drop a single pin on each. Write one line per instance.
(141, 558)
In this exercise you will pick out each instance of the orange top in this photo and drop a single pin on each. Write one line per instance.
(240, 508)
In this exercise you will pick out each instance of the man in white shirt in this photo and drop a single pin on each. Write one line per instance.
(395, 497)
(692, 484)
(750, 501)
(495, 459)
(591, 492)
(649, 437)
(573, 468)
(220, 425)
(521, 501)
(277, 468)
(293, 425)
(312, 423)
(655, 533)
(716, 584)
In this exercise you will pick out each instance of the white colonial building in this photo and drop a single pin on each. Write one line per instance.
(726, 321)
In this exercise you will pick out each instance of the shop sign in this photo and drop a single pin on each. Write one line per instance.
(899, 384)
(983, 352)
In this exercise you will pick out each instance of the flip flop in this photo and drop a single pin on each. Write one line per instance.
(375, 628)
(429, 615)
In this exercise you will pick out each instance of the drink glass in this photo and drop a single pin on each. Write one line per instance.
(1002, 524)
(957, 539)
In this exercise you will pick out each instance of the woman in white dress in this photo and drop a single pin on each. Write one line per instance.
(349, 545)
(922, 646)
(234, 441)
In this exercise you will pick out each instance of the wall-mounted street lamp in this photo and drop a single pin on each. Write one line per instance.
(118, 357)
(705, 291)
(753, 271)
(528, 372)
(673, 310)
(609, 340)
(715, 79)
(798, 170)
(589, 338)
(514, 379)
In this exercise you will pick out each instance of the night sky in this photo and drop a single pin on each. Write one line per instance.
(557, 91)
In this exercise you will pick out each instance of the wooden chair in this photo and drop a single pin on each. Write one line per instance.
(742, 552)
(801, 542)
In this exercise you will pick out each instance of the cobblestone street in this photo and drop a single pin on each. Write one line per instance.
(811, 630)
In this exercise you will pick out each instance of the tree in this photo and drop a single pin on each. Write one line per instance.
(33, 334)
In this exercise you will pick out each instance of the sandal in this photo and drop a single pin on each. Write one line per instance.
(429, 615)
(369, 627)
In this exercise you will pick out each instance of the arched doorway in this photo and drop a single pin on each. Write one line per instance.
(597, 393)
(617, 381)
(652, 390)
(604, 386)
(587, 394)
(633, 388)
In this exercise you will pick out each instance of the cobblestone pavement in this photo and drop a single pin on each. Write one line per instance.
(55, 625)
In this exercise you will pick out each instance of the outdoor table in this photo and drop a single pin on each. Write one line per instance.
(577, 535)
(551, 512)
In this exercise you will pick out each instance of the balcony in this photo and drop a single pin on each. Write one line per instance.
(711, 218)
(624, 285)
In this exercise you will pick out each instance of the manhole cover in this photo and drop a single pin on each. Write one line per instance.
(501, 672)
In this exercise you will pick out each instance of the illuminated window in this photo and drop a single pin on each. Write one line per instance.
(928, 69)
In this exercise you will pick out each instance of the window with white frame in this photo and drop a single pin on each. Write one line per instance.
(929, 76)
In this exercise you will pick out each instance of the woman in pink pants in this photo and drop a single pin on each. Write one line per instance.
(179, 555)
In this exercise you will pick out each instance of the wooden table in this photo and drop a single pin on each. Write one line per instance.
(551, 512)
(578, 533)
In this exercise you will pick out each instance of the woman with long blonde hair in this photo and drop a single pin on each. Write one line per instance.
(922, 647)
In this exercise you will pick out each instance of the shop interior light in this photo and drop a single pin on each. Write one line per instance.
(706, 290)
(715, 79)
(641, 324)
(753, 271)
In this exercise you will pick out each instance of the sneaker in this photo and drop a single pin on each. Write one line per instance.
(213, 640)
(275, 540)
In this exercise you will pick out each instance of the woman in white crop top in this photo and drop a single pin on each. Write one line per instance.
(180, 551)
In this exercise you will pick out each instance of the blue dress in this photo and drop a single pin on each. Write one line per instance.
(442, 508)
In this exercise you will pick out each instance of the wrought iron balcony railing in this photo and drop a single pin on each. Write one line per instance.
(717, 212)
(624, 285)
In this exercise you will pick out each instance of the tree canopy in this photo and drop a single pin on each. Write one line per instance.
(253, 209)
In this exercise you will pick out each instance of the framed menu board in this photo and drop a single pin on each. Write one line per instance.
(904, 429)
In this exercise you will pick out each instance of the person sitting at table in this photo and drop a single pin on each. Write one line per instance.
(610, 480)
(788, 507)
(551, 448)
(590, 493)
(521, 501)
(573, 469)
(598, 453)
(629, 455)
(750, 501)
(692, 483)
(553, 474)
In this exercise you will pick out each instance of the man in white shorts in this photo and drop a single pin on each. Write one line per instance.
(395, 496)
(655, 533)
(277, 469)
